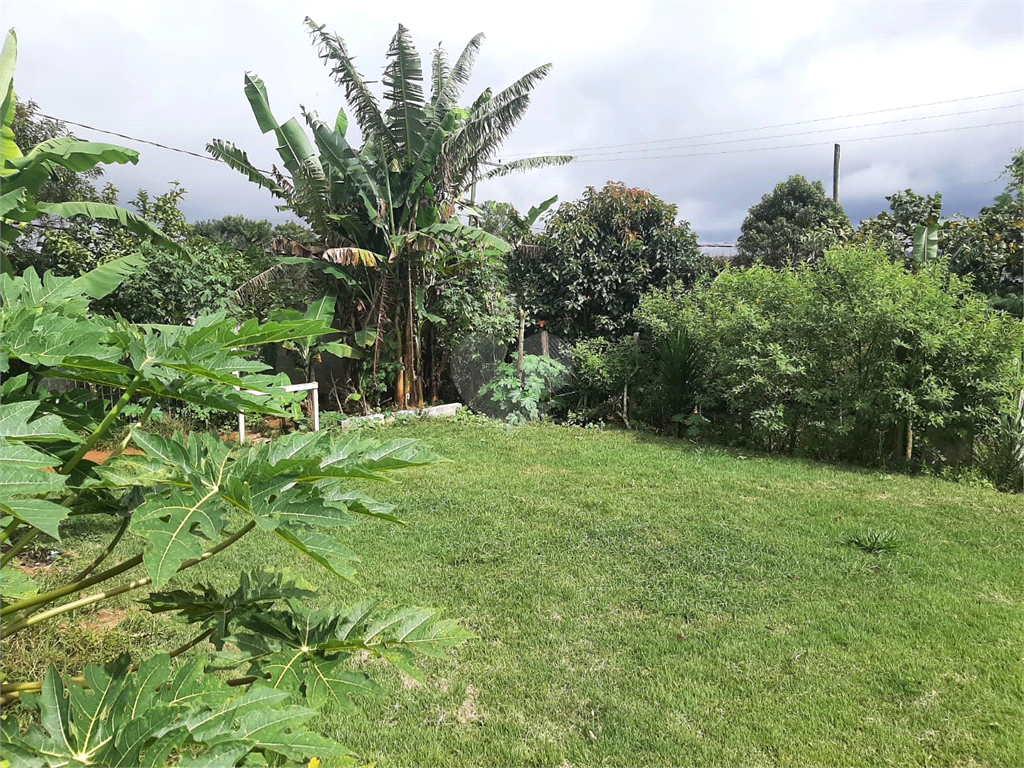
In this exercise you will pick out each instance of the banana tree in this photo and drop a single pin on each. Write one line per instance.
(381, 210)
(24, 173)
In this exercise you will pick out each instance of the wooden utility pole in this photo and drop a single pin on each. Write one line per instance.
(835, 175)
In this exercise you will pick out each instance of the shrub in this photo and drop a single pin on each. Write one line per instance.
(602, 369)
(999, 449)
(854, 358)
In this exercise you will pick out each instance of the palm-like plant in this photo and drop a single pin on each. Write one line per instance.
(386, 209)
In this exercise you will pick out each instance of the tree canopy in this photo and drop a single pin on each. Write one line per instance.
(585, 274)
(795, 222)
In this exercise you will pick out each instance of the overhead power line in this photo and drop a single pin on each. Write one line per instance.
(776, 125)
(129, 138)
(803, 133)
(603, 157)
(143, 141)
(794, 146)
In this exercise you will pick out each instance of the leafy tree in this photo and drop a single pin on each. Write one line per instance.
(893, 231)
(795, 222)
(176, 286)
(249, 235)
(383, 213)
(986, 249)
(585, 274)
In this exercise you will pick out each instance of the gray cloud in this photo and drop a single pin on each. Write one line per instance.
(172, 73)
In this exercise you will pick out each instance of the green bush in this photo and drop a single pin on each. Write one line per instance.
(602, 369)
(854, 358)
(999, 449)
(795, 222)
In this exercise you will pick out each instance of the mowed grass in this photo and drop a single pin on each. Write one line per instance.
(640, 601)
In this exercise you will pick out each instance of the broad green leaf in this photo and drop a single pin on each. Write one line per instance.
(169, 451)
(228, 753)
(278, 729)
(15, 424)
(20, 481)
(75, 155)
(256, 93)
(106, 278)
(324, 550)
(342, 350)
(14, 206)
(16, 585)
(322, 310)
(20, 455)
(106, 212)
(39, 513)
(207, 726)
(310, 511)
(8, 59)
(341, 122)
(331, 681)
(167, 524)
(366, 337)
(359, 503)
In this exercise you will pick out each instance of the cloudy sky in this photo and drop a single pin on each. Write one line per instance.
(674, 97)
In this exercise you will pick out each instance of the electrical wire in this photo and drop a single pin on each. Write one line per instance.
(804, 133)
(807, 144)
(142, 141)
(605, 157)
(770, 127)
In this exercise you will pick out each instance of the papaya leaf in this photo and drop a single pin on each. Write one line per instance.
(169, 525)
(39, 513)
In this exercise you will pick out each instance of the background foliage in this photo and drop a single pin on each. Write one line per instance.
(793, 223)
(831, 360)
(584, 275)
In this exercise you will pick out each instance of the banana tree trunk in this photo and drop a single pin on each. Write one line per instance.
(413, 385)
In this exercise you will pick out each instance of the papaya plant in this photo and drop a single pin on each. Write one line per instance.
(181, 501)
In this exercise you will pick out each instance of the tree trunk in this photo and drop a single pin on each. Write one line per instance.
(414, 389)
(400, 380)
(522, 332)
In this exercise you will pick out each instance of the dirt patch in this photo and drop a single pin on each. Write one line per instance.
(100, 457)
(410, 682)
(103, 619)
(469, 712)
(35, 561)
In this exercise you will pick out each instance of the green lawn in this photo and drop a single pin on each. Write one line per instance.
(638, 601)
